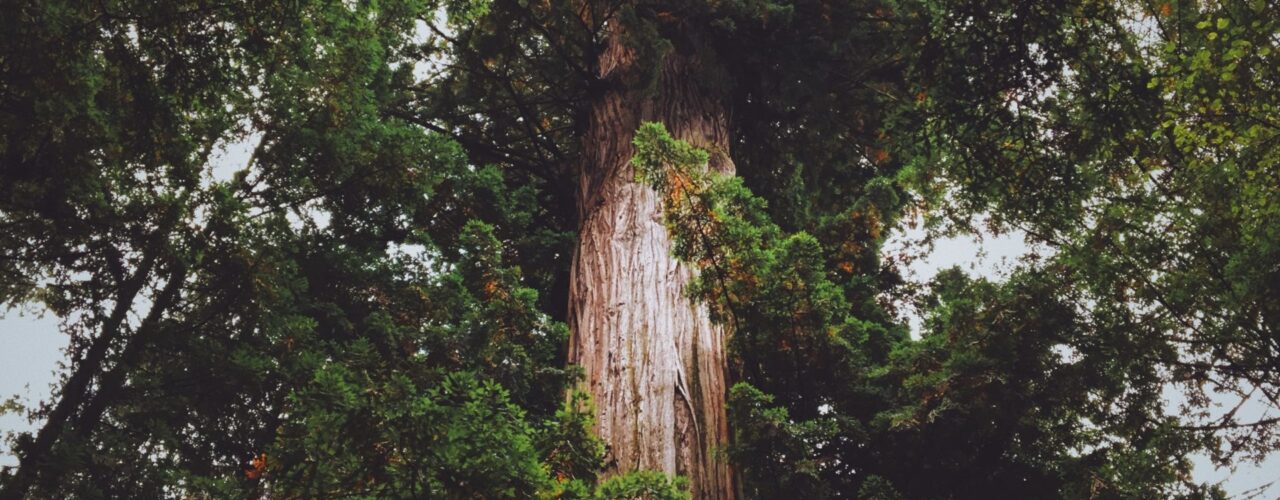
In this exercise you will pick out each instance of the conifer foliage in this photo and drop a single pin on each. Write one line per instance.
(376, 302)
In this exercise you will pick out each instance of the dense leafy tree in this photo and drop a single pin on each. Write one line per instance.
(332, 317)
(379, 302)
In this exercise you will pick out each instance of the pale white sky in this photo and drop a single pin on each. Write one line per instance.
(30, 351)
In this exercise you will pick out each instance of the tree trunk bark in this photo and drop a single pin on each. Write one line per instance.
(654, 363)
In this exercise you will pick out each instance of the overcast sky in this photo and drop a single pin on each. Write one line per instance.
(31, 345)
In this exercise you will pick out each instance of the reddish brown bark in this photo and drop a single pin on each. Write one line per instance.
(654, 363)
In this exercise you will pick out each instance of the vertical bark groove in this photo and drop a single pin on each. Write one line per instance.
(654, 362)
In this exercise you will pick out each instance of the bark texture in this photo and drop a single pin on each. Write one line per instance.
(655, 364)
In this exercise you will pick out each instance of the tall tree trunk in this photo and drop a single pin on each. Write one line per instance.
(655, 365)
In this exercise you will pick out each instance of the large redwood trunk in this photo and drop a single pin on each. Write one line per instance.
(655, 365)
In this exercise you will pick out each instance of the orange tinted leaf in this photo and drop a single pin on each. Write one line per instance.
(257, 467)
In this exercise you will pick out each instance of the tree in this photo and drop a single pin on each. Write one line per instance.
(572, 249)
(655, 364)
(260, 331)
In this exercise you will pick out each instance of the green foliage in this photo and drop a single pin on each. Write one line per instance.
(372, 305)
(1130, 138)
(646, 484)
(1160, 174)
(1009, 389)
(330, 319)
